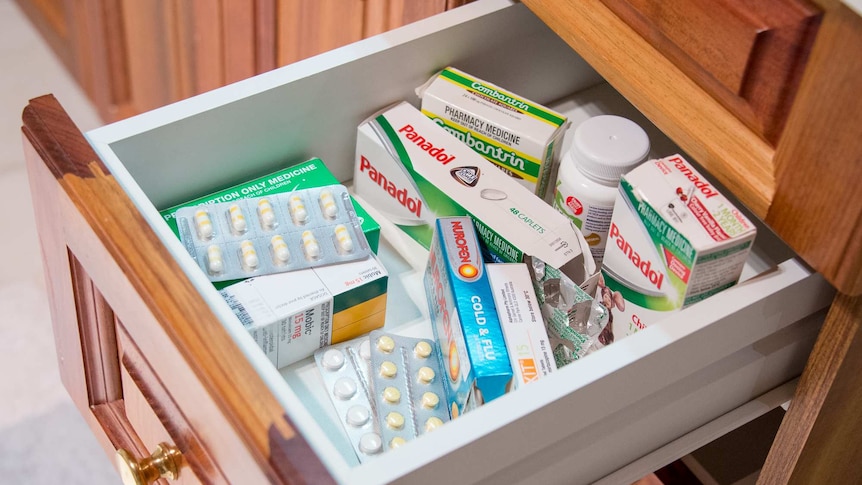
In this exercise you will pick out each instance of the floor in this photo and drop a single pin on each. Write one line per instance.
(43, 439)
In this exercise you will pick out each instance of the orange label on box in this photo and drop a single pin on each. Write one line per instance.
(529, 373)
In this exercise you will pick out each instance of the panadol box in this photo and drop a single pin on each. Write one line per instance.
(413, 172)
(510, 131)
(674, 240)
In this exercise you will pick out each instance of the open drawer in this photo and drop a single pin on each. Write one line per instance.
(591, 419)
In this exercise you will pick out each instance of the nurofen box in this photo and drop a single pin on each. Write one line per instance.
(312, 173)
(461, 305)
(413, 172)
(674, 240)
(530, 351)
(512, 132)
(290, 315)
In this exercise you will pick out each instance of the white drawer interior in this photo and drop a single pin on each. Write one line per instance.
(583, 422)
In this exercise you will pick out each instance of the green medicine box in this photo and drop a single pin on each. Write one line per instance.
(312, 173)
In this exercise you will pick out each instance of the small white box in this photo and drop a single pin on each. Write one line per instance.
(290, 315)
(518, 309)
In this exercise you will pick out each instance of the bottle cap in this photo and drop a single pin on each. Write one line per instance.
(606, 147)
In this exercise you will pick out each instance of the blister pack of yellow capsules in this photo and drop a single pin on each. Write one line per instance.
(273, 234)
(408, 390)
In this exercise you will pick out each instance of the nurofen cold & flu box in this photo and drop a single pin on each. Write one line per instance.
(530, 350)
(674, 240)
(512, 132)
(465, 323)
(413, 171)
(290, 315)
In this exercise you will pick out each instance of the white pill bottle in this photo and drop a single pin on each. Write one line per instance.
(603, 149)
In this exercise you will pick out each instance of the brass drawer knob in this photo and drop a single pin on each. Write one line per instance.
(165, 462)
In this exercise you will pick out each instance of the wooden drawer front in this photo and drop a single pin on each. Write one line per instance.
(637, 395)
(97, 276)
(749, 55)
(155, 416)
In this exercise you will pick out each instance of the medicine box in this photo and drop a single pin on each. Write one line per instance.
(530, 351)
(413, 172)
(674, 240)
(290, 315)
(312, 173)
(463, 317)
(514, 133)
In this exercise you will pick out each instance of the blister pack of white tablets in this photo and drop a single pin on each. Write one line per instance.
(409, 393)
(273, 234)
(344, 368)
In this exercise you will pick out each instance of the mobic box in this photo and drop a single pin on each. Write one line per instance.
(290, 315)
(512, 132)
(674, 240)
(530, 351)
(413, 172)
(461, 304)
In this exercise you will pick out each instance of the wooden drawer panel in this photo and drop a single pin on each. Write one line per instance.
(638, 395)
(749, 55)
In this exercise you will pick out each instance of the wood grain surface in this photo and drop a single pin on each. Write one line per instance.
(714, 136)
(749, 55)
(196, 360)
(155, 416)
(818, 204)
(819, 436)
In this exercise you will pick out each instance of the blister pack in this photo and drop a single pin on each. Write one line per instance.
(345, 371)
(273, 234)
(408, 388)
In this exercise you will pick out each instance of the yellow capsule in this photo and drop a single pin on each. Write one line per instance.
(279, 249)
(266, 214)
(345, 242)
(433, 423)
(385, 344)
(327, 204)
(396, 442)
(215, 263)
(430, 400)
(425, 375)
(392, 395)
(422, 349)
(249, 255)
(388, 369)
(395, 420)
(204, 224)
(309, 245)
(237, 219)
(297, 209)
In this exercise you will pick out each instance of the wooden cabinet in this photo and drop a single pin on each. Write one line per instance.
(750, 56)
(143, 324)
(131, 56)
